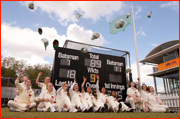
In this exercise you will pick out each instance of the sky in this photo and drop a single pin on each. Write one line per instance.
(20, 39)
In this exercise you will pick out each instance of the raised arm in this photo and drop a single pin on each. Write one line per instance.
(97, 85)
(71, 88)
(17, 80)
(61, 87)
(37, 79)
(82, 86)
(139, 84)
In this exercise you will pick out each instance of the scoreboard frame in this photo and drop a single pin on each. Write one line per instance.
(72, 63)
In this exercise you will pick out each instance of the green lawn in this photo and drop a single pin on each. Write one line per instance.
(33, 114)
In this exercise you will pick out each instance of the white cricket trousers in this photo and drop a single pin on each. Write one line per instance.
(134, 102)
(115, 104)
(20, 106)
(64, 101)
(160, 109)
(77, 102)
(45, 106)
(89, 103)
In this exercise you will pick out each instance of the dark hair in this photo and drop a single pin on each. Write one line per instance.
(146, 87)
(88, 87)
(103, 87)
(134, 85)
(112, 91)
(26, 80)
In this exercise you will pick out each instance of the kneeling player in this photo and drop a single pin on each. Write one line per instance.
(47, 99)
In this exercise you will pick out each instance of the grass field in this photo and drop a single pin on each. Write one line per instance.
(33, 114)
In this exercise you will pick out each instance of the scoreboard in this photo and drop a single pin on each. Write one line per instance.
(70, 64)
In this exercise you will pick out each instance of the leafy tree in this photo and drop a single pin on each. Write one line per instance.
(10, 67)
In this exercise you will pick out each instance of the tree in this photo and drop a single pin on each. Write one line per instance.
(13, 64)
(33, 71)
(10, 67)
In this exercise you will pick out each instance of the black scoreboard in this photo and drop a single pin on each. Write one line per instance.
(70, 64)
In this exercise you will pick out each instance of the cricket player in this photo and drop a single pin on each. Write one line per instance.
(143, 92)
(47, 100)
(154, 103)
(76, 97)
(134, 98)
(102, 97)
(26, 96)
(90, 99)
(63, 102)
(117, 106)
(44, 85)
(24, 78)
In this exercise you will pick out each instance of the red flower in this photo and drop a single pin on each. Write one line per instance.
(15, 100)
(156, 98)
(91, 97)
(52, 97)
(29, 95)
(79, 95)
(135, 92)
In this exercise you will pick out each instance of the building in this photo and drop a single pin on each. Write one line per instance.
(165, 58)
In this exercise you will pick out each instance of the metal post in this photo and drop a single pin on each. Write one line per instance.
(164, 86)
(173, 86)
(167, 86)
(137, 60)
(155, 84)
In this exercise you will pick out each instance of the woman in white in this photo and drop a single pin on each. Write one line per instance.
(90, 99)
(76, 97)
(154, 103)
(143, 92)
(63, 101)
(44, 85)
(24, 78)
(117, 106)
(26, 96)
(47, 99)
(133, 97)
(102, 97)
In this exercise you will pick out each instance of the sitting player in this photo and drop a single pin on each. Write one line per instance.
(47, 100)
(26, 96)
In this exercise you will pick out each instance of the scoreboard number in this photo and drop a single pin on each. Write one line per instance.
(71, 74)
(92, 78)
(67, 73)
(92, 63)
(65, 62)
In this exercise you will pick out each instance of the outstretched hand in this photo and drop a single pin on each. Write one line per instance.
(97, 76)
(40, 73)
(84, 78)
(75, 80)
(21, 72)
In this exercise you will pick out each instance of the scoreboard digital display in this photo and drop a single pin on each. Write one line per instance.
(70, 64)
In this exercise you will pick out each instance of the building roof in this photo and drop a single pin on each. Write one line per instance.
(156, 55)
(166, 71)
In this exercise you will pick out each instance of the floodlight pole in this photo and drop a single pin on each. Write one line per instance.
(137, 60)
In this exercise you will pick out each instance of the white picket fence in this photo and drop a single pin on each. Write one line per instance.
(171, 100)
